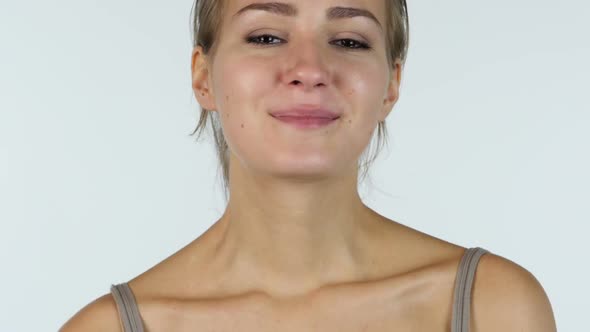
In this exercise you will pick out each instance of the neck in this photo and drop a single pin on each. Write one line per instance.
(292, 237)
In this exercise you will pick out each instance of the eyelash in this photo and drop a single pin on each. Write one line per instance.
(361, 45)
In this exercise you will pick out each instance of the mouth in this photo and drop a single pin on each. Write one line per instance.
(306, 122)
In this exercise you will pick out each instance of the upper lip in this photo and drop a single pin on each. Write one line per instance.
(306, 111)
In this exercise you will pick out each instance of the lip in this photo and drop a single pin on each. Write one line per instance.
(306, 112)
(306, 116)
(303, 122)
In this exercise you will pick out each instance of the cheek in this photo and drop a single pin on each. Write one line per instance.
(236, 82)
(365, 94)
(239, 91)
(359, 131)
(239, 94)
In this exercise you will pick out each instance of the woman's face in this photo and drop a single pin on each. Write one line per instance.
(306, 58)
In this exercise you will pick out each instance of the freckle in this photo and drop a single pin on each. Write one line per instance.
(227, 98)
(242, 125)
(349, 121)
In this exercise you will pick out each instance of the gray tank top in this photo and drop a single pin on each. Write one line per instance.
(131, 319)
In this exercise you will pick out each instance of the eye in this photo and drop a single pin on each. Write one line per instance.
(256, 39)
(360, 45)
(259, 41)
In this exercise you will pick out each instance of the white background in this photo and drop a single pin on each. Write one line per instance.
(100, 180)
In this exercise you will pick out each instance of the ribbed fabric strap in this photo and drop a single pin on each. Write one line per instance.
(463, 285)
(127, 306)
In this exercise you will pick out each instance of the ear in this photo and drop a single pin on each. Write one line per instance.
(392, 91)
(200, 79)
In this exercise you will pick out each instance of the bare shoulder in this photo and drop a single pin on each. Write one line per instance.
(507, 297)
(99, 315)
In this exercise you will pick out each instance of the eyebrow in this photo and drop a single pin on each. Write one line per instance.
(286, 9)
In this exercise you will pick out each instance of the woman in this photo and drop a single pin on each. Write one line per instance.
(295, 91)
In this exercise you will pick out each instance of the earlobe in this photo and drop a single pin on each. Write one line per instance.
(200, 79)
(198, 68)
(392, 91)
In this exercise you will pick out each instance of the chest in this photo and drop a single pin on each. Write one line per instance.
(406, 312)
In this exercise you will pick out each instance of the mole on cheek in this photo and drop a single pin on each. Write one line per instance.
(242, 125)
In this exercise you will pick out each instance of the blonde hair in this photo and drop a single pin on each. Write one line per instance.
(206, 17)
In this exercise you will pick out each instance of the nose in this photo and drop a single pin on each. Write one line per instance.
(306, 67)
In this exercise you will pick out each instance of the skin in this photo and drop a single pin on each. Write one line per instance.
(296, 249)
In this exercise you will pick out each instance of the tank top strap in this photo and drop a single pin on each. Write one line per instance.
(463, 286)
(127, 307)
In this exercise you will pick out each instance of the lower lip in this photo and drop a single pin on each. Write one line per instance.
(301, 122)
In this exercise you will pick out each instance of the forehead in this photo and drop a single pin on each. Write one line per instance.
(372, 10)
